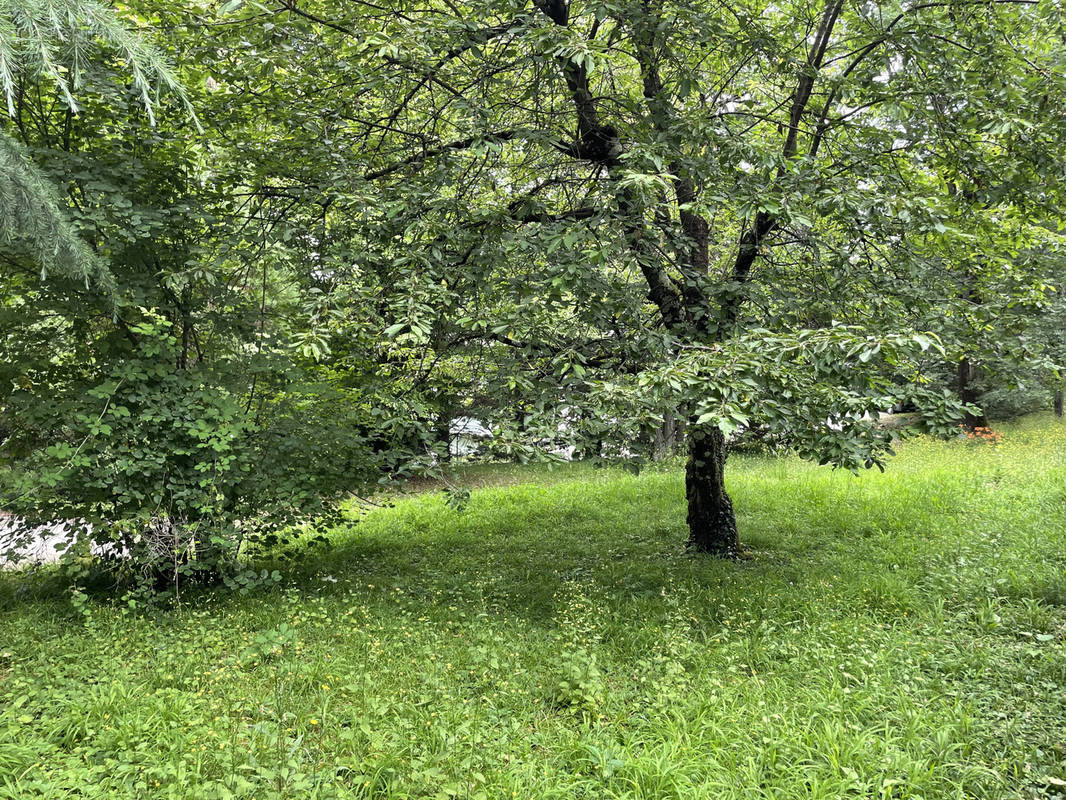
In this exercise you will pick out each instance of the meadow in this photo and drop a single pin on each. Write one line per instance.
(896, 635)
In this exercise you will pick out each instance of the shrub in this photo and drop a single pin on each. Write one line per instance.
(172, 472)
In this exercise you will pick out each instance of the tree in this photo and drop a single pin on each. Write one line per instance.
(633, 188)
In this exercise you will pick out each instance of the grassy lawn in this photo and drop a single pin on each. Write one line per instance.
(889, 636)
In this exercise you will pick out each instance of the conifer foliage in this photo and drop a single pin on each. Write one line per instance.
(53, 41)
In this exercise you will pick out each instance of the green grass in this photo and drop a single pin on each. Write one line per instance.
(888, 636)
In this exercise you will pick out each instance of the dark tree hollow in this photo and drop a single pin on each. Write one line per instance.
(712, 525)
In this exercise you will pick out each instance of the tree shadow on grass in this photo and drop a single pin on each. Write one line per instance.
(520, 555)
(518, 549)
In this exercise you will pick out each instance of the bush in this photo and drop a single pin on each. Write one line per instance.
(173, 472)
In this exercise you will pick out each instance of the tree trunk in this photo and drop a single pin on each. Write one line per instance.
(1058, 402)
(968, 394)
(442, 428)
(665, 438)
(712, 525)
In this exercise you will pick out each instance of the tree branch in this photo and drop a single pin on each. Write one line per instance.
(461, 144)
(765, 223)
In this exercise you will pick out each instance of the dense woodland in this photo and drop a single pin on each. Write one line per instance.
(255, 257)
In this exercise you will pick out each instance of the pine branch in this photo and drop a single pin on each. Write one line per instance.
(32, 218)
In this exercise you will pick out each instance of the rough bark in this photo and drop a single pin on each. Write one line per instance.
(712, 524)
(665, 440)
(1058, 403)
(967, 390)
